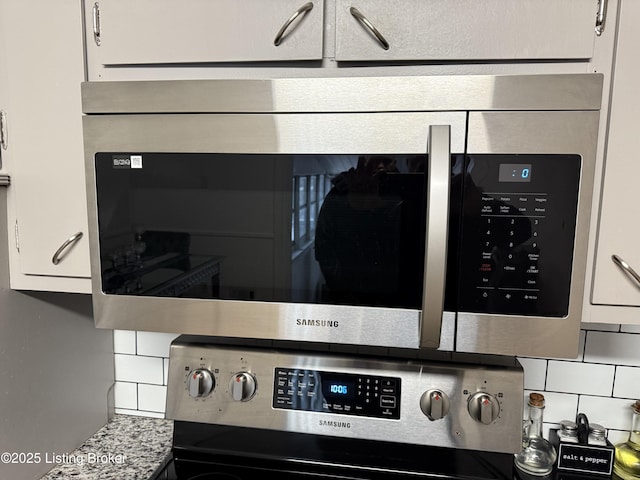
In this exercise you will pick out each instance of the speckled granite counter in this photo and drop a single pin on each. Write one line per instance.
(127, 448)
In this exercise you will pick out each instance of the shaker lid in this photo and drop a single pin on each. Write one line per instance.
(569, 426)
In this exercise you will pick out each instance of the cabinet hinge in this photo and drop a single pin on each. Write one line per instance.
(17, 237)
(601, 16)
(96, 23)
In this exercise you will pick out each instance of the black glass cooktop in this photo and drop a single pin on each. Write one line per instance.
(211, 452)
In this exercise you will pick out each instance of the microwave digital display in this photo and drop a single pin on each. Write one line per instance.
(514, 172)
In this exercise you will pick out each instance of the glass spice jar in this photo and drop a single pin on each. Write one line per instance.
(627, 459)
(538, 456)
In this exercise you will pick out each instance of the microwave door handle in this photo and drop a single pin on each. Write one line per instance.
(437, 222)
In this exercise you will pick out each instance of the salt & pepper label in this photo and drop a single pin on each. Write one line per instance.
(584, 458)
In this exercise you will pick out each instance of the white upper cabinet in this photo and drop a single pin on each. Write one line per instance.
(614, 282)
(171, 33)
(461, 30)
(41, 68)
(122, 32)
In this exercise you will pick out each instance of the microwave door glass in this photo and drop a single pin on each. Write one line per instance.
(334, 229)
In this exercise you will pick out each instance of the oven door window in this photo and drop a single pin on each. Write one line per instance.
(336, 229)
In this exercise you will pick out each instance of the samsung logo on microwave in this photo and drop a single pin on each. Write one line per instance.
(308, 322)
(332, 424)
(127, 161)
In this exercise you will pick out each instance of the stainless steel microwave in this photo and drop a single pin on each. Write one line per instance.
(412, 212)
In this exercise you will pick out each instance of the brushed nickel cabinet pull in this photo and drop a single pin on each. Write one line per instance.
(302, 10)
(369, 26)
(96, 23)
(4, 132)
(68, 242)
(626, 268)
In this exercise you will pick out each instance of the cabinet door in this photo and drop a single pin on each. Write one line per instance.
(197, 31)
(619, 227)
(42, 71)
(464, 29)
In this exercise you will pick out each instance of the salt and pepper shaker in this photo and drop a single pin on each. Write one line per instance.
(568, 431)
(597, 435)
(583, 447)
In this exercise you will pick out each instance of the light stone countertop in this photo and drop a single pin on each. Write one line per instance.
(127, 448)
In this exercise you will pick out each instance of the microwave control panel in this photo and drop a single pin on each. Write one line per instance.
(518, 232)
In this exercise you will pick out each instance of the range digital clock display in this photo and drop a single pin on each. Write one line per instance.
(338, 388)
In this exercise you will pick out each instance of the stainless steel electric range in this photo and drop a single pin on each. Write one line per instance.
(246, 409)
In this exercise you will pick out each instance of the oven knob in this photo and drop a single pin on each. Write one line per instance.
(201, 382)
(242, 386)
(483, 407)
(434, 404)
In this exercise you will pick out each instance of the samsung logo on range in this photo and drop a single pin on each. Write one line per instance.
(333, 424)
(308, 322)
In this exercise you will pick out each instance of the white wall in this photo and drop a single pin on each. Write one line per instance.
(602, 381)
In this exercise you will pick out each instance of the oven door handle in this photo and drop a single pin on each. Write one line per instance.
(437, 227)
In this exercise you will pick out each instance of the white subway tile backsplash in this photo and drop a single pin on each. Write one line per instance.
(154, 344)
(126, 395)
(613, 348)
(124, 341)
(610, 412)
(557, 406)
(139, 413)
(152, 398)
(535, 372)
(135, 368)
(627, 383)
(578, 377)
(166, 371)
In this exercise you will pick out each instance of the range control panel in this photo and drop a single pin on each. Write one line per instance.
(518, 233)
(468, 405)
(336, 392)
